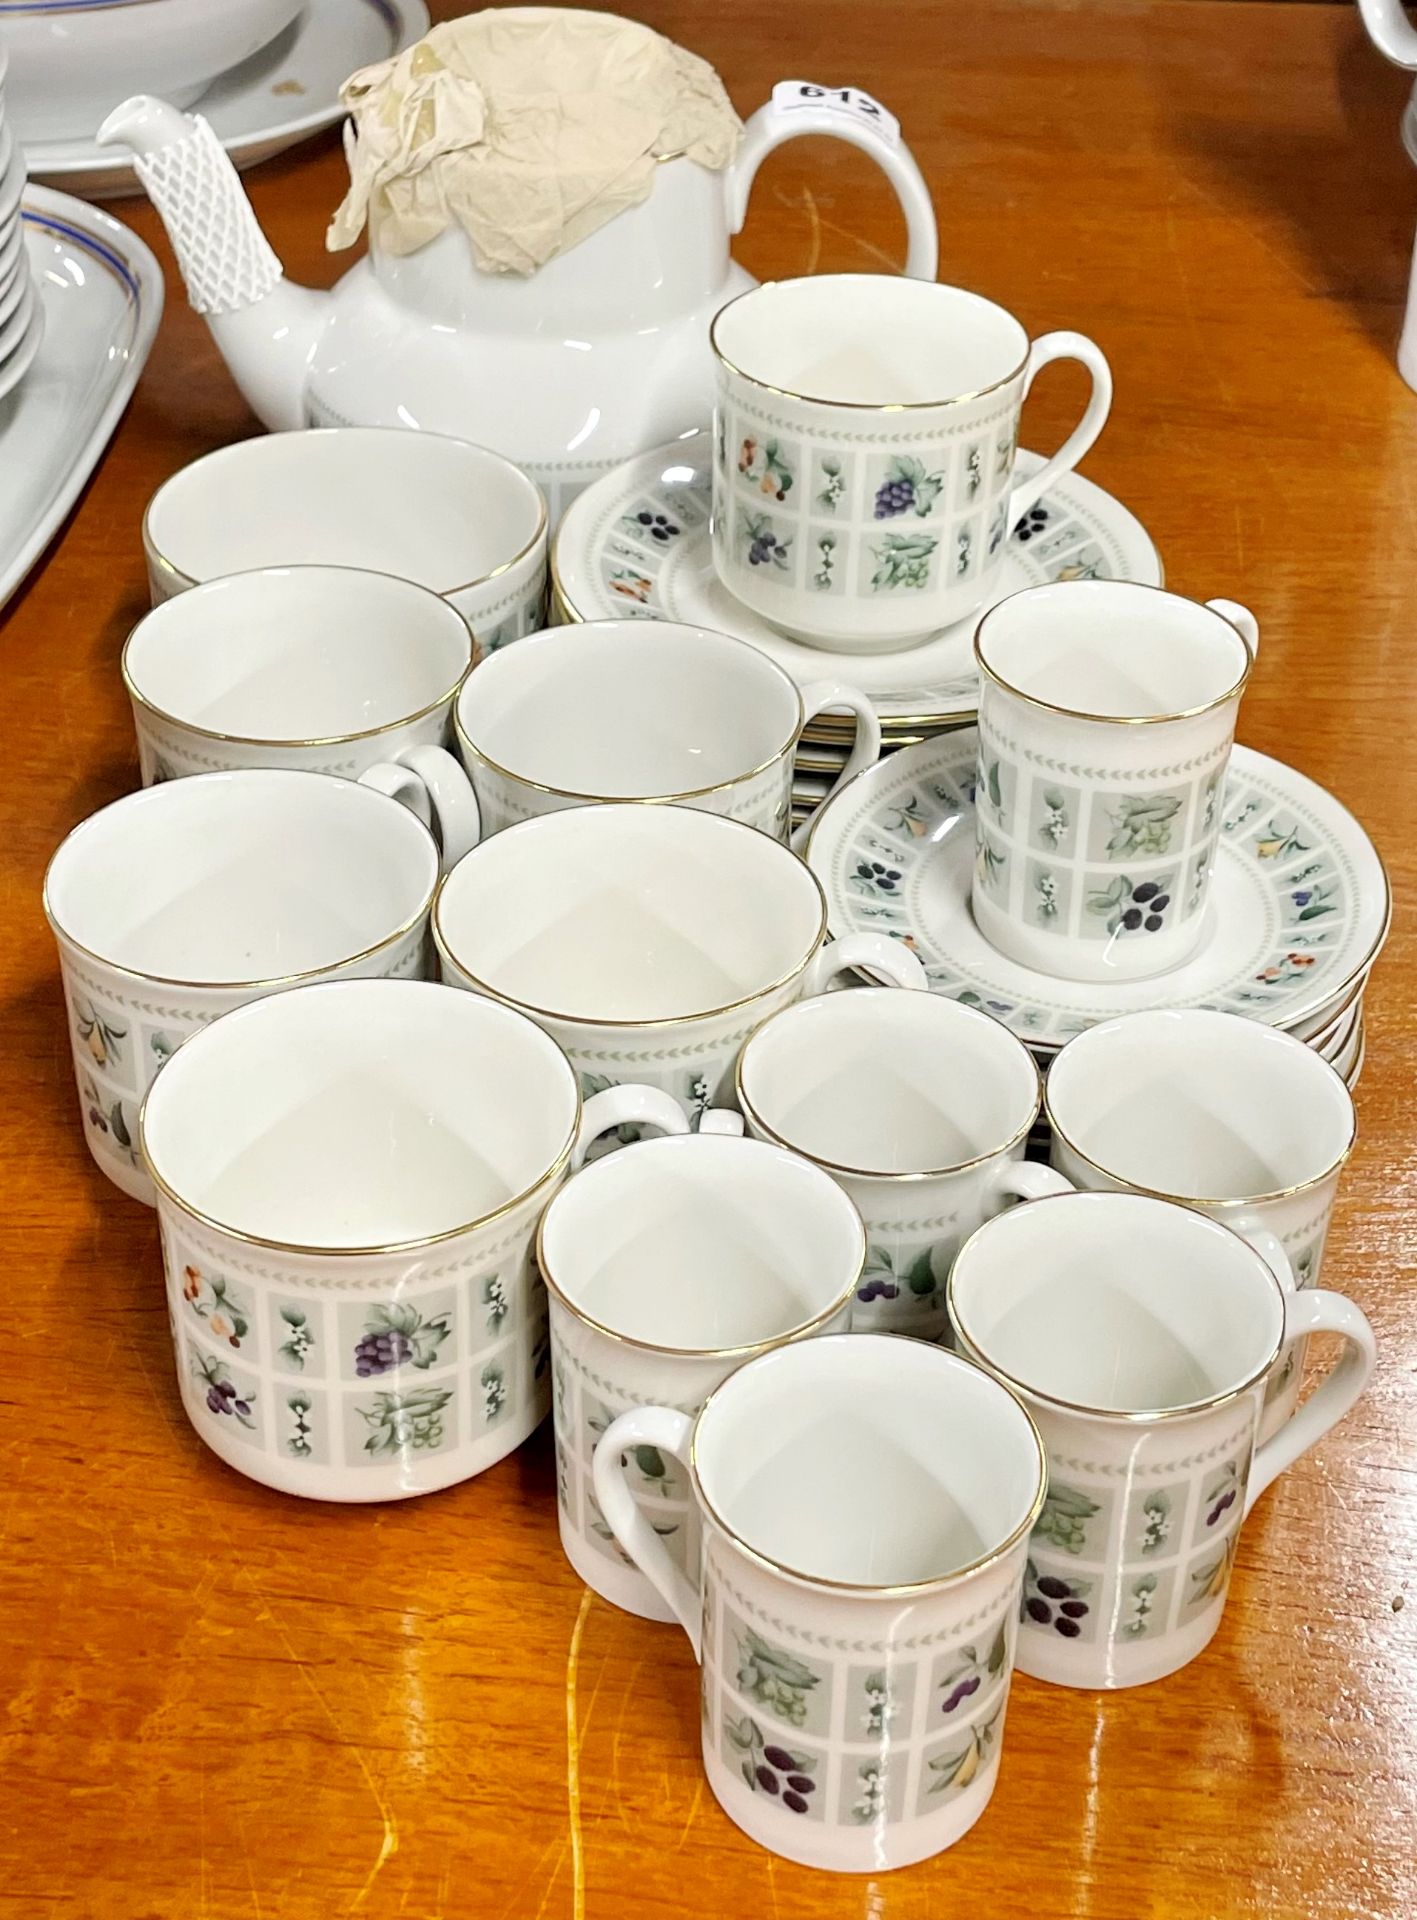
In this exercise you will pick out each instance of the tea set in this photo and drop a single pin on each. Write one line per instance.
(494, 1036)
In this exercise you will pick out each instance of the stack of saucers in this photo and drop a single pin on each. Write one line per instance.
(1301, 903)
(21, 312)
(637, 543)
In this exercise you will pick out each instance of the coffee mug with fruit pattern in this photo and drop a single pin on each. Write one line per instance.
(667, 1267)
(865, 430)
(650, 711)
(174, 905)
(1220, 1113)
(921, 1109)
(348, 1181)
(1140, 1335)
(322, 669)
(865, 1503)
(1106, 717)
(649, 941)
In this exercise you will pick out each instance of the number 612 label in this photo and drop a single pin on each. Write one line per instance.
(850, 102)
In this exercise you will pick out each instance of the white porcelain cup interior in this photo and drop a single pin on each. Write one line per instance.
(867, 1460)
(1200, 1106)
(295, 654)
(877, 1081)
(630, 913)
(241, 878)
(420, 505)
(1110, 649)
(870, 340)
(703, 1244)
(629, 710)
(1117, 1303)
(368, 1113)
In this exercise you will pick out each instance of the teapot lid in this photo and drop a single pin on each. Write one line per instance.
(529, 127)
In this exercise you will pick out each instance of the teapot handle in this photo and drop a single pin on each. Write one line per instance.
(1390, 30)
(845, 113)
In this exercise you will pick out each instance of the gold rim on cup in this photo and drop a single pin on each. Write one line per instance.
(903, 1589)
(140, 699)
(1138, 1417)
(171, 570)
(1112, 719)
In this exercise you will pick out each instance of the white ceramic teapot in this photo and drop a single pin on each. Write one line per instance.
(1393, 34)
(598, 355)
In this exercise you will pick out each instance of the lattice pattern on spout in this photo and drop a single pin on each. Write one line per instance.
(225, 259)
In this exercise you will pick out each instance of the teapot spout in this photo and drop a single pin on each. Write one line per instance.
(265, 327)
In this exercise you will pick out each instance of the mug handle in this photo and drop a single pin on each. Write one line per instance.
(1243, 621)
(1022, 1180)
(670, 1431)
(874, 953)
(817, 696)
(624, 1106)
(774, 124)
(431, 784)
(1317, 1311)
(1064, 346)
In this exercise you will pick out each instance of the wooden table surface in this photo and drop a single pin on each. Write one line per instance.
(222, 1703)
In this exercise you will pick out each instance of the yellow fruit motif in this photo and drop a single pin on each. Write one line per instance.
(97, 1050)
(961, 1769)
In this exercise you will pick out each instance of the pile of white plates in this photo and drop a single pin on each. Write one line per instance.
(21, 314)
(1300, 908)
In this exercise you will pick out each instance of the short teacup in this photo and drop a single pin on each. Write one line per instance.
(649, 941)
(174, 905)
(920, 1108)
(1106, 717)
(1219, 1113)
(1140, 1336)
(865, 433)
(667, 1267)
(865, 1504)
(453, 516)
(639, 710)
(349, 1178)
(325, 669)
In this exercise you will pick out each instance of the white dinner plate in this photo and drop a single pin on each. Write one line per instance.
(282, 94)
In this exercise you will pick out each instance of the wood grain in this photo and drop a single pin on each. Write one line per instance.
(221, 1703)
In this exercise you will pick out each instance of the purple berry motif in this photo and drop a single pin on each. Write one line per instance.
(1033, 522)
(1049, 1601)
(961, 1690)
(657, 525)
(380, 1352)
(773, 1770)
(893, 497)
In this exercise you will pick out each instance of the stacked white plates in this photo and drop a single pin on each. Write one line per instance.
(21, 314)
(1300, 906)
(636, 544)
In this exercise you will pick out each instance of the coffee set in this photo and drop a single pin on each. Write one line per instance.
(494, 1035)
